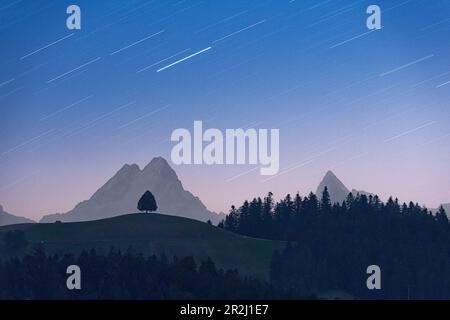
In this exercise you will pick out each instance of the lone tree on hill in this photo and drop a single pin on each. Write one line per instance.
(147, 202)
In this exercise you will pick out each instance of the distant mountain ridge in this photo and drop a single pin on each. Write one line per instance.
(7, 218)
(121, 193)
(339, 192)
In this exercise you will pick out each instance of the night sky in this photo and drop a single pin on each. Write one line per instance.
(75, 105)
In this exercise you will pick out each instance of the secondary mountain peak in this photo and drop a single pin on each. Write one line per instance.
(161, 168)
(129, 168)
(337, 190)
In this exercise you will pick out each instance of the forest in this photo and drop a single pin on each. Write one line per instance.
(125, 275)
(331, 245)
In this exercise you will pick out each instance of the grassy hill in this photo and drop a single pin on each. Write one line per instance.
(154, 233)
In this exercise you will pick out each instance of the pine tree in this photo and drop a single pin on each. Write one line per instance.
(325, 203)
(441, 216)
(267, 215)
(312, 204)
(297, 205)
(244, 226)
(231, 221)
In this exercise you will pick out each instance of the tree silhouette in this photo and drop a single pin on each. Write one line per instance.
(325, 203)
(147, 202)
(441, 216)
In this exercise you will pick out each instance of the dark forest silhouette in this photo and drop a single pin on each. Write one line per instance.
(128, 275)
(331, 245)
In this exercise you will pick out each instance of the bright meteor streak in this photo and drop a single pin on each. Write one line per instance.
(181, 60)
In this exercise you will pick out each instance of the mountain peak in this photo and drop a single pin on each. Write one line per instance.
(129, 168)
(331, 178)
(330, 175)
(337, 190)
(160, 167)
(120, 195)
(157, 162)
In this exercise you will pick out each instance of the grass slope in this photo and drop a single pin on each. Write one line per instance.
(155, 233)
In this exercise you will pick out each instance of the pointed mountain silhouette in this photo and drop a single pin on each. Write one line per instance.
(7, 218)
(337, 190)
(120, 194)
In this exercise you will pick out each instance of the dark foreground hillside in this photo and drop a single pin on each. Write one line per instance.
(149, 234)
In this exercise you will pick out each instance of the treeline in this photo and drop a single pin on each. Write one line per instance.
(331, 245)
(128, 275)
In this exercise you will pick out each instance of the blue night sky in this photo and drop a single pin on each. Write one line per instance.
(372, 106)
